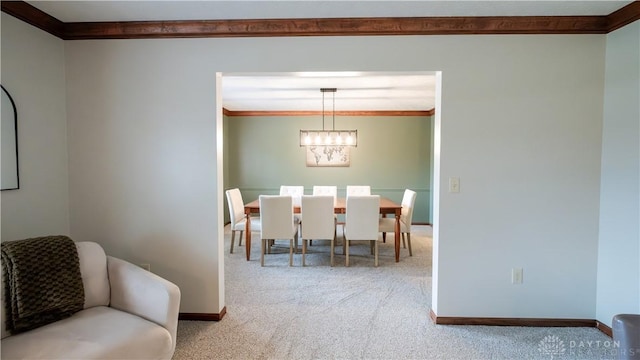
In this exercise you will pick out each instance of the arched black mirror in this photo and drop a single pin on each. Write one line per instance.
(9, 162)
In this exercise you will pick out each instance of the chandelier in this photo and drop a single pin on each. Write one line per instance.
(327, 137)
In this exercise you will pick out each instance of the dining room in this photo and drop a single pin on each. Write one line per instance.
(263, 148)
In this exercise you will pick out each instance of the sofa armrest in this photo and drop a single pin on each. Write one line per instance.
(145, 294)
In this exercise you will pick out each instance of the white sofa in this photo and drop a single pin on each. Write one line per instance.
(129, 313)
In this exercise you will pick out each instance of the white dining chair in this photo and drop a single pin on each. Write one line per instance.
(295, 191)
(326, 190)
(237, 216)
(358, 190)
(319, 221)
(389, 224)
(362, 222)
(278, 222)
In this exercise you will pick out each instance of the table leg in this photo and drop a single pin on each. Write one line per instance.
(397, 236)
(247, 232)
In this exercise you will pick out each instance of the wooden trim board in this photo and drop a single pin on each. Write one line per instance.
(535, 322)
(203, 316)
(324, 26)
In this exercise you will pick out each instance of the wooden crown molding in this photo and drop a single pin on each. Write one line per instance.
(336, 27)
(34, 16)
(624, 16)
(228, 112)
(324, 27)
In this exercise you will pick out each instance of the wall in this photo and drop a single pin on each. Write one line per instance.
(142, 159)
(33, 73)
(619, 246)
(393, 154)
(523, 133)
(520, 125)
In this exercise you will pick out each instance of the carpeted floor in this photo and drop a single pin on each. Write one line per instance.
(359, 312)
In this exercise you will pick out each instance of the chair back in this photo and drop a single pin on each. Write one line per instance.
(276, 214)
(326, 190)
(317, 217)
(408, 203)
(358, 190)
(295, 191)
(362, 217)
(236, 206)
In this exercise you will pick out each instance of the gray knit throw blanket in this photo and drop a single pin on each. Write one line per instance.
(42, 281)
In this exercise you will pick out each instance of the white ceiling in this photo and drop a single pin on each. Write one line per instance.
(355, 91)
(301, 91)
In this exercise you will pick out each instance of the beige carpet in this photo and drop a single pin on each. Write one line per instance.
(359, 312)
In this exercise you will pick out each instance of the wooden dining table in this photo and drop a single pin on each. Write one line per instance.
(387, 206)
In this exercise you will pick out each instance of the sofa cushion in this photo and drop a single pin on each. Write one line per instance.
(93, 267)
(96, 333)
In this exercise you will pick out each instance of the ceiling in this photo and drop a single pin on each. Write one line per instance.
(301, 91)
(382, 91)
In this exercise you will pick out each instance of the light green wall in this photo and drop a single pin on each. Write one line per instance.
(618, 290)
(393, 154)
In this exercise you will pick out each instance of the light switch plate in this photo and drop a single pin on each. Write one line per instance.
(516, 276)
(454, 184)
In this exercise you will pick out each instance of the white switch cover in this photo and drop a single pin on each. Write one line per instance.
(454, 184)
(516, 276)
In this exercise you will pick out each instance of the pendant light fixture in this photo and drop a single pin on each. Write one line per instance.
(331, 137)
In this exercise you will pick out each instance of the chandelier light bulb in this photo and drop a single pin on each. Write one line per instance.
(327, 137)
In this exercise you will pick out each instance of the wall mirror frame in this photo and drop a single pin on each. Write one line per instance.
(9, 179)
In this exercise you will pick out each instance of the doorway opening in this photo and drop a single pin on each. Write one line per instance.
(397, 149)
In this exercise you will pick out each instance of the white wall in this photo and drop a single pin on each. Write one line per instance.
(33, 73)
(619, 246)
(521, 126)
(142, 159)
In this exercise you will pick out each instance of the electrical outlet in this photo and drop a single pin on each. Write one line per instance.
(454, 184)
(146, 266)
(516, 276)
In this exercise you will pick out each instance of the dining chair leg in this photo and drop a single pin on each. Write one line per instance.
(304, 251)
(333, 241)
(344, 241)
(240, 238)
(409, 243)
(404, 243)
(375, 261)
(384, 237)
(345, 247)
(371, 246)
(262, 246)
(291, 252)
(233, 235)
(335, 236)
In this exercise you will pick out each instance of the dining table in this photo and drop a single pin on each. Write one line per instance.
(387, 206)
